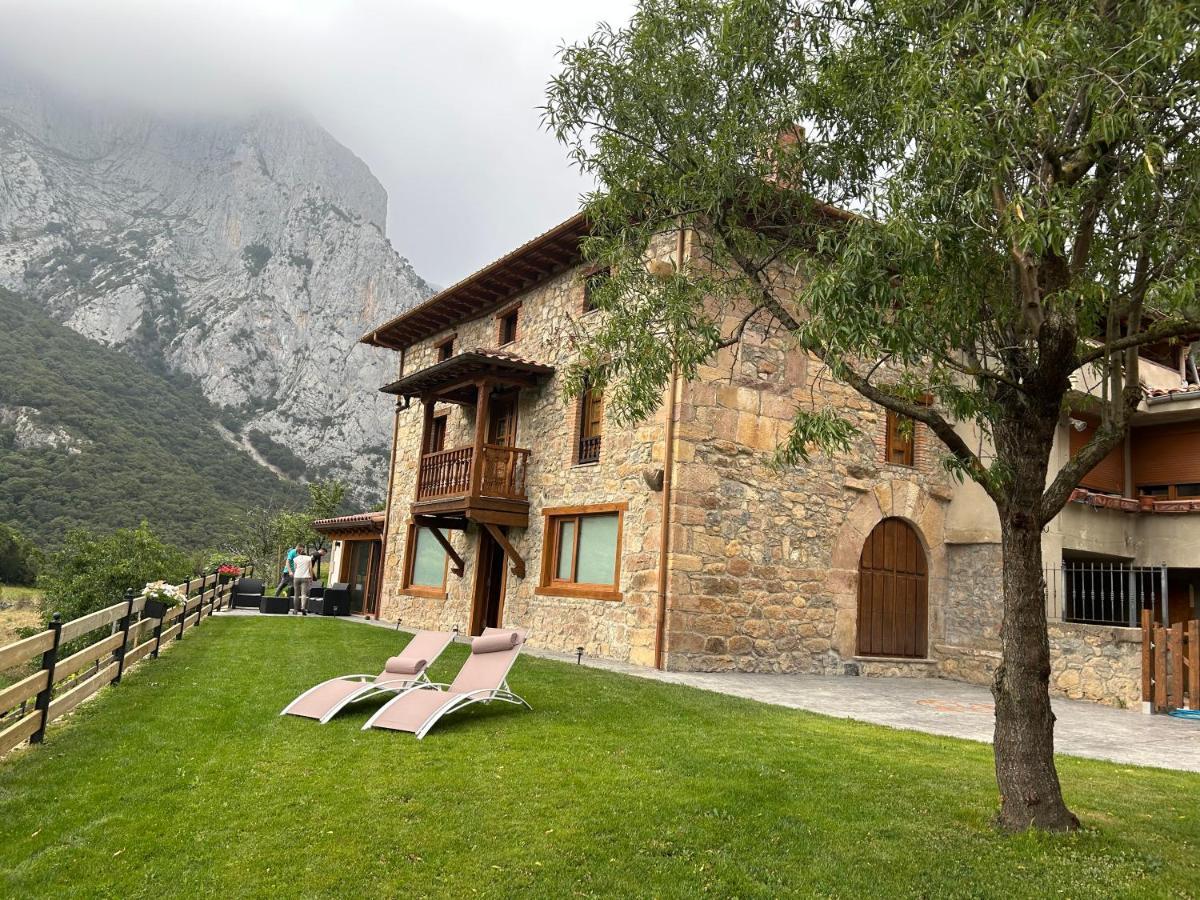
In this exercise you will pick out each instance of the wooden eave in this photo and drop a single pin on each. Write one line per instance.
(532, 263)
(453, 380)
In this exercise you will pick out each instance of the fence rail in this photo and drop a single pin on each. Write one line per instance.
(59, 685)
(1105, 593)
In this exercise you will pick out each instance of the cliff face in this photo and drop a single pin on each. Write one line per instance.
(247, 253)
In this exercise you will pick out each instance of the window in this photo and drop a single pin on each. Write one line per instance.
(591, 423)
(581, 553)
(591, 283)
(899, 443)
(425, 568)
(445, 348)
(507, 328)
(437, 434)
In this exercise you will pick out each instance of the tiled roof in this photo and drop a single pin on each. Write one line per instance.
(369, 522)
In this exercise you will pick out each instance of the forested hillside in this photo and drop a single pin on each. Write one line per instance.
(90, 437)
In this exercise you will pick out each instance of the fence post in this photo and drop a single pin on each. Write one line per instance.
(158, 636)
(124, 629)
(187, 589)
(49, 661)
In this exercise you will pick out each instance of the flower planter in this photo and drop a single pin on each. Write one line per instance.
(155, 609)
(1146, 503)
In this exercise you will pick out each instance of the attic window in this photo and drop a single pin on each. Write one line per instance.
(507, 326)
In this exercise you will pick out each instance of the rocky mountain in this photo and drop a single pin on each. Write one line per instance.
(248, 253)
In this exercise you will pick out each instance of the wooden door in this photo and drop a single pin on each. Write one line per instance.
(502, 419)
(893, 593)
(487, 610)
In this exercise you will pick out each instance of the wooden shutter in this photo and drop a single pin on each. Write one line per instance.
(899, 445)
(1109, 473)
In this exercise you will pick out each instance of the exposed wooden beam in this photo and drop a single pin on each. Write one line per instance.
(459, 565)
(518, 564)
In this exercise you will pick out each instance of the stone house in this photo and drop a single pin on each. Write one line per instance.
(676, 543)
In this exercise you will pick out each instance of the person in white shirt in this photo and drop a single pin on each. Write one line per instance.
(302, 576)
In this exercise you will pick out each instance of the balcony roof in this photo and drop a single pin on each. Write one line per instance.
(533, 262)
(453, 380)
(370, 523)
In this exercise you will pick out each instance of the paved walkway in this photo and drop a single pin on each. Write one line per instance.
(935, 706)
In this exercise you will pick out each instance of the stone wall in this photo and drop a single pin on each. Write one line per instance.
(549, 319)
(764, 559)
(1088, 662)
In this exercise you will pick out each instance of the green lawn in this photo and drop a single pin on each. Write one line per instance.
(184, 781)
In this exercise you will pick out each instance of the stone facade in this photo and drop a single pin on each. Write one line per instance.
(762, 564)
(550, 315)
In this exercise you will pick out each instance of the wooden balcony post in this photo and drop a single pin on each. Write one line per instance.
(484, 389)
(426, 432)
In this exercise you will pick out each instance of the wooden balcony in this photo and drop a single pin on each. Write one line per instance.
(485, 487)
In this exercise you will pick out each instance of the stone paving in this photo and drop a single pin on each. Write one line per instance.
(934, 706)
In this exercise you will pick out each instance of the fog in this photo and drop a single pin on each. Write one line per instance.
(439, 98)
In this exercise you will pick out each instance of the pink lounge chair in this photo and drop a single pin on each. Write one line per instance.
(482, 679)
(402, 672)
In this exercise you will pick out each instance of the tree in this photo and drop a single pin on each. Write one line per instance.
(263, 535)
(18, 558)
(987, 204)
(93, 571)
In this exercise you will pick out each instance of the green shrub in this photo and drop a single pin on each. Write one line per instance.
(256, 257)
(19, 559)
(93, 571)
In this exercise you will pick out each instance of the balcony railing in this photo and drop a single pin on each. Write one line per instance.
(448, 473)
(589, 449)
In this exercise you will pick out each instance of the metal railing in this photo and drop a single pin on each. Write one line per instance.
(1105, 593)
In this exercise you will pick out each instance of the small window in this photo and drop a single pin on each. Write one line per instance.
(445, 349)
(1155, 490)
(437, 434)
(591, 284)
(582, 552)
(508, 327)
(591, 424)
(899, 444)
(1187, 490)
(427, 562)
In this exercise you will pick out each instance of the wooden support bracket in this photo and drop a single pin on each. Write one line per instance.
(518, 564)
(457, 568)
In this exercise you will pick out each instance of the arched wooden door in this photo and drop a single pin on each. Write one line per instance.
(893, 592)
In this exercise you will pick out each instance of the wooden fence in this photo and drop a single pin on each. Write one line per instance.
(122, 636)
(1170, 664)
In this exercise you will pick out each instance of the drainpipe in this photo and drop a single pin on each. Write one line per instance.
(387, 508)
(664, 539)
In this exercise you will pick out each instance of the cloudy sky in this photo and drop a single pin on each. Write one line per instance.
(439, 97)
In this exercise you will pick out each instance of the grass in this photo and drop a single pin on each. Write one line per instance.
(184, 781)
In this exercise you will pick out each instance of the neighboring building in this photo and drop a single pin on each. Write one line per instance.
(510, 505)
(356, 557)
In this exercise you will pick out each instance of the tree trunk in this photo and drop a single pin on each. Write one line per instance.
(1030, 795)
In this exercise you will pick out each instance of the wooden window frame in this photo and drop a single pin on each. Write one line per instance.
(892, 422)
(440, 420)
(410, 559)
(581, 420)
(587, 276)
(552, 518)
(444, 348)
(512, 311)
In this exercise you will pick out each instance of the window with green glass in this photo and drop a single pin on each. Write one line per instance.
(585, 549)
(428, 560)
